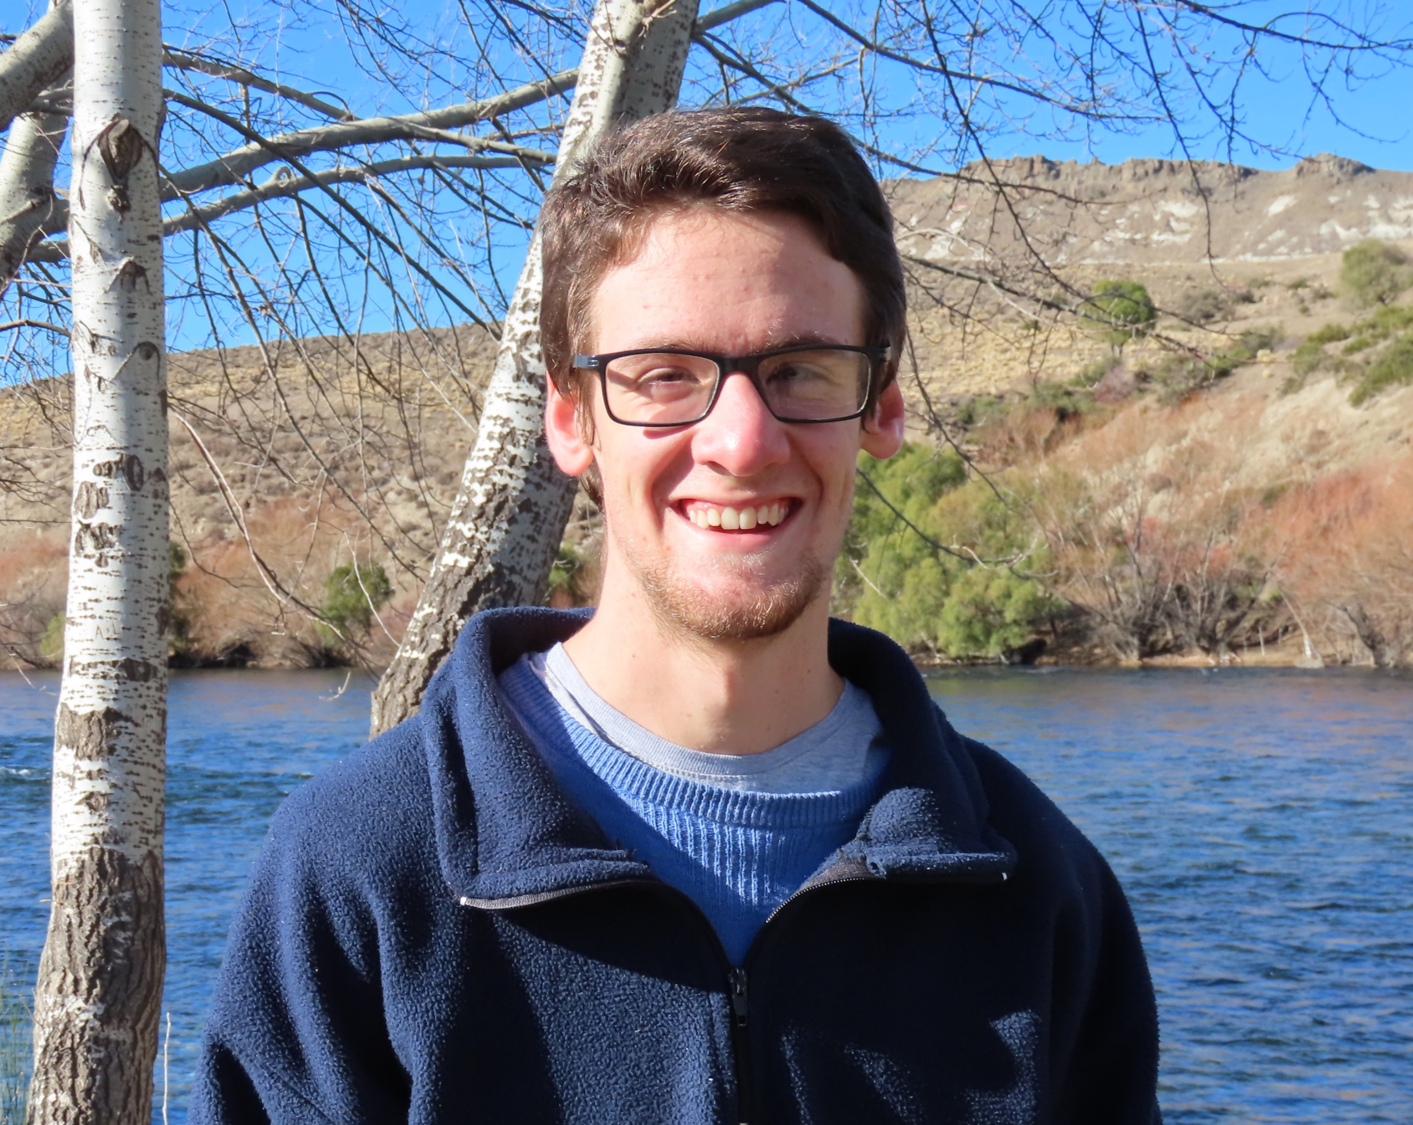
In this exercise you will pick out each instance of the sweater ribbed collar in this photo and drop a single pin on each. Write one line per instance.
(507, 834)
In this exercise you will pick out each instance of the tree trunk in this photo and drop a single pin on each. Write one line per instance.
(27, 196)
(35, 59)
(1370, 635)
(513, 502)
(100, 978)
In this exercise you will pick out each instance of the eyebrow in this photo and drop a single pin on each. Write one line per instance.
(689, 345)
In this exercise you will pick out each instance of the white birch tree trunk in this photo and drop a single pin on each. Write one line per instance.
(27, 198)
(513, 503)
(100, 977)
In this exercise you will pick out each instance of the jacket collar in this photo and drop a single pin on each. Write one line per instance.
(508, 836)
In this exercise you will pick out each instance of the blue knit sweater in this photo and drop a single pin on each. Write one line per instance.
(738, 854)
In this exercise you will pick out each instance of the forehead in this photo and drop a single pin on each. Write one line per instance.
(725, 281)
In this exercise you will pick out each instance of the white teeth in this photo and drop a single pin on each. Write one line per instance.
(739, 519)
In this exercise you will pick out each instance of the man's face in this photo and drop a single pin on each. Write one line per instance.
(676, 500)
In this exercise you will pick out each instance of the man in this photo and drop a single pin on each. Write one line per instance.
(705, 855)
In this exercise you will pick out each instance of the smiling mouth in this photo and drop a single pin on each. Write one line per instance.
(726, 517)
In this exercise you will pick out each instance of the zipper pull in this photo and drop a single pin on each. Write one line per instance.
(737, 978)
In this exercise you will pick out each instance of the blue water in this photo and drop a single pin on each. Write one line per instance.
(1261, 821)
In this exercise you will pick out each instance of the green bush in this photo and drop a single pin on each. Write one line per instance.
(1309, 357)
(1328, 334)
(1179, 375)
(1202, 306)
(992, 611)
(977, 409)
(1091, 373)
(1391, 367)
(1066, 399)
(1375, 272)
(1247, 347)
(895, 575)
(1388, 320)
(51, 645)
(1119, 311)
(569, 576)
(350, 597)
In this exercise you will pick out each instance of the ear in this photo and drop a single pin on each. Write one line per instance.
(883, 433)
(563, 432)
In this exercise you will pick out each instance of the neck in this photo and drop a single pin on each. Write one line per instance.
(724, 697)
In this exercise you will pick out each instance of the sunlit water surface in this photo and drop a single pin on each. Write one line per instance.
(1261, 821)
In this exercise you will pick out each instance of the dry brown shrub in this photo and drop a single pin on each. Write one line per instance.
(1346, 547)
(238, 618)
(1021, 434)
(34, 573)
(1152, 540)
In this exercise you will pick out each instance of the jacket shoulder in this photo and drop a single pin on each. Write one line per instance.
(367, 818)
(1047, 841)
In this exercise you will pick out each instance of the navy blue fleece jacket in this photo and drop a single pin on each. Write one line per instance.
(434, 933)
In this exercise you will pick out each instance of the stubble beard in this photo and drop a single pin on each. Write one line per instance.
(768, 608)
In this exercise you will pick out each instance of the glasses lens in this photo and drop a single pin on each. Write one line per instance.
(659, 387)
(819, 383)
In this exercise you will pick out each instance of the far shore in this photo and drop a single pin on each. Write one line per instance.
(1284, 655)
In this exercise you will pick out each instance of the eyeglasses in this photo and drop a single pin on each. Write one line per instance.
(671, 387)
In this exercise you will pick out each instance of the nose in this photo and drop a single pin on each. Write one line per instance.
(740, 437)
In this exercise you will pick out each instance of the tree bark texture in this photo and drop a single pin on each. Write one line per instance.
(36, 59)
(513, 503)
(27, 198)
(100, 977)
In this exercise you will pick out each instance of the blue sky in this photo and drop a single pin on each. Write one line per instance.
(1373, 111)
(1368, 118)
(1375, 126)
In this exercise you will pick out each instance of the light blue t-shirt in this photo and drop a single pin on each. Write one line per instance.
(738, 834)
(834, 754)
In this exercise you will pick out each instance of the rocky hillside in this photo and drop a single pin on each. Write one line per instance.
(1145, 213)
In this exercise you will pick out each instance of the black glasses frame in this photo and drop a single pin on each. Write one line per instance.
(747, 365)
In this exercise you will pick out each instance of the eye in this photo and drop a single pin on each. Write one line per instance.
(797, 371)
(664, 375)
(660, 377)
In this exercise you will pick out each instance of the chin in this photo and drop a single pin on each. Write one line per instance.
(743, 605)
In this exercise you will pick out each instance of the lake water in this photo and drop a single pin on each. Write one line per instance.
(1261, 821)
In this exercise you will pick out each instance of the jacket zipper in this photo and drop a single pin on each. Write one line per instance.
(737, 984)
(736, 979)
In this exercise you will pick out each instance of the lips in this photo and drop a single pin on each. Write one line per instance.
(736, 517)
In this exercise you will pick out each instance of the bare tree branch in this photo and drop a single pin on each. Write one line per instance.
(27, 199)
(35, 60)
(189, 60)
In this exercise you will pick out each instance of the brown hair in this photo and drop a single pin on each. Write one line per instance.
(741, 158)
